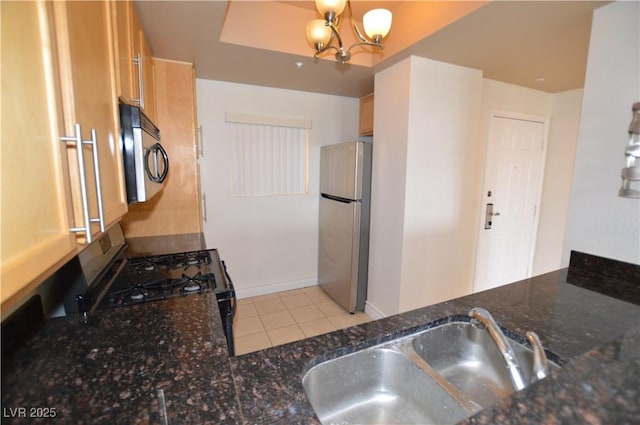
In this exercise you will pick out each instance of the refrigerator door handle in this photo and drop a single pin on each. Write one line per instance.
(337, 198)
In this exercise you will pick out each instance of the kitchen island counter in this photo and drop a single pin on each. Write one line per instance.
(111, 369)
(597, 338)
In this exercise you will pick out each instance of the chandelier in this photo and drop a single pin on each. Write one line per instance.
(321, 33)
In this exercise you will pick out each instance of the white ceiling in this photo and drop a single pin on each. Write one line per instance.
(516, 42)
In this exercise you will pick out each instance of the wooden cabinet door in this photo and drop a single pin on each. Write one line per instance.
(35, 205)
(124, 52)
(144, 70)
(148, 80)
(136, 55)
(86, 50)
(176, 210)
(366, 116)
(135, 80)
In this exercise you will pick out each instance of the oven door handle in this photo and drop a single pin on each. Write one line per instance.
(232, 291)
(232, 299)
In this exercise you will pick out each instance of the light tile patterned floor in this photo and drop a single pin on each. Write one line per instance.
(275, 319)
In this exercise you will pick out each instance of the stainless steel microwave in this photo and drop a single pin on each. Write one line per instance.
(146, 163)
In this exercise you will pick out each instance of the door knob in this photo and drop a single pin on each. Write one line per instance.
(489, 214)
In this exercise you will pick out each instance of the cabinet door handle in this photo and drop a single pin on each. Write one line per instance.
(96, 169)
(201, 142)
(84, 194)
(138, 61)
(204, 207)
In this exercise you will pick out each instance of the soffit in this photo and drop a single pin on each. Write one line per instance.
(511, 41)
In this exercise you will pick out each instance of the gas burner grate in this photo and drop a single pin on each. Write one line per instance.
(162, 287)
(157, 263)
(133, 295)
(195, 258)
(183, 260)
(196, 283)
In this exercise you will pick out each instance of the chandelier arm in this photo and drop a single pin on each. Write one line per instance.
(335, 33)
(358, 33)
(318, 52)
(367, 43)
(355, 27)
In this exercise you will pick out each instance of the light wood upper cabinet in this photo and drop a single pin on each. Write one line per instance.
(135, 63)
(136, 58)
(36, 201)
(148, 79)
(58, 73)
(177, 208)
(365, 127)
(121, 14)
(88, 82)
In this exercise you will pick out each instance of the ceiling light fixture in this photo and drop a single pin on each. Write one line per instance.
(322, 32)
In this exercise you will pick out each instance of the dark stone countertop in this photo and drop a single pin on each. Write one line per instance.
(595, 336)
(109, 371)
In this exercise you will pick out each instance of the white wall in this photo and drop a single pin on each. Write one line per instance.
(558, 175)
(413, 172)
(438, 225)
(391, 127)
(268, 243)
(425, 121)
(600, 222)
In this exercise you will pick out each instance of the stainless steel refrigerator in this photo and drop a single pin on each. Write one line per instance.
(343, 248)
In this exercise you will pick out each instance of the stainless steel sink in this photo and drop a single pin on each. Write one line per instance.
(378, 386)
(441, 375)
(464, 354)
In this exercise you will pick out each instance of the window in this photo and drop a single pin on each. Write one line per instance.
(269, 156)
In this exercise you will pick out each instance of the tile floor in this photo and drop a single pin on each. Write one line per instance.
(275, 319)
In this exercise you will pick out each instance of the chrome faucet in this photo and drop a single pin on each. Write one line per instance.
(515, 372)
(540, 362)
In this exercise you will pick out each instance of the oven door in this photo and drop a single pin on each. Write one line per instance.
(227, 304)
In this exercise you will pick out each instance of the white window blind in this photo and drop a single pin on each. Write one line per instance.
(268, 159)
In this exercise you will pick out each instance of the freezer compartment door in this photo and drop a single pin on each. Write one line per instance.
(341, 170)
(338, 251)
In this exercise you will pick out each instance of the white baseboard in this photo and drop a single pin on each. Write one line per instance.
(272, 288)
(373, 312)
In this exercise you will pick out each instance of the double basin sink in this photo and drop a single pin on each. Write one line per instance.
(437, 376)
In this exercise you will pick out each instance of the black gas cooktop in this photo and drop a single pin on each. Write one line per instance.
(159, 277)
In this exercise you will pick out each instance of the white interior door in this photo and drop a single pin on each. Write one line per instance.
(512, 185)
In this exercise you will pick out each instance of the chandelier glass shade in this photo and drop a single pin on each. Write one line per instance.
(324, 34)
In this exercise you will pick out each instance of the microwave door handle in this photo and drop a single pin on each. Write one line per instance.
(155, 164)
(156, 177)
(165, 160)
